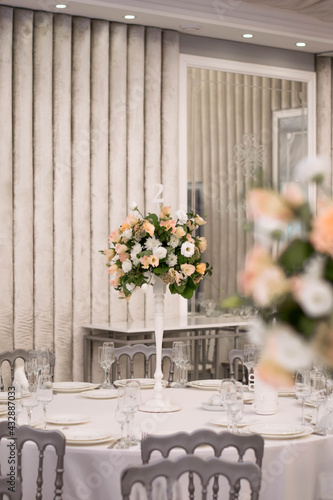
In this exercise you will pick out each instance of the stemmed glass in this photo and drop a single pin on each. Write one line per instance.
(44, 393)
(302, 388)
(128, 403)
(43, 360)
(185, 363)
(106, 356)
(31, 367)
(232, 399)
(249, 357)
(318, 390)
(30, 401)
(177, 356)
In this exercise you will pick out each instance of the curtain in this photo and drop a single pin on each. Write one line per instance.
(229, 143)
(88, 125)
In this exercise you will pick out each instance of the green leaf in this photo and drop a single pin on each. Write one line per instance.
(293, 259)
(290, 312)
(328, 271)
(232, 302)
(161, 270)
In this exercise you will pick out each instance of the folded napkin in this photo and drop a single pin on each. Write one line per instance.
(20, 377)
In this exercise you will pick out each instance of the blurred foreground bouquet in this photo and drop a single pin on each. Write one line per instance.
(288, 276)
(157, 245)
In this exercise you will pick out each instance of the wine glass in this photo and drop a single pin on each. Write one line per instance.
(302, 388)
(236, 406)
(249, 357)
(177, 356)
(106, 356)
(44, 393)
(185, 363)
(228, 397)
(318, 390)
(131, 403)
(30, 401)
(31, 367)
(43, 360)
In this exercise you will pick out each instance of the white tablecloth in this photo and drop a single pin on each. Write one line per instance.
(291, 468)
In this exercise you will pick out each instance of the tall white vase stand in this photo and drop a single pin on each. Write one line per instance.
(159, 403)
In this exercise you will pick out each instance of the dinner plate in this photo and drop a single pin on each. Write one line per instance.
(223, 421)
(210, 407)
(3, 409)
(279, 431)
(72, 387)
(100, 394)
(67, 419)
(145, 383)
(87, 436)
(208, 384)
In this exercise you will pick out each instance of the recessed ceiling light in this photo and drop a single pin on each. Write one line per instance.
(301, 44)
(247, 35)
(129, 16)
(189, 27)
(61, 6)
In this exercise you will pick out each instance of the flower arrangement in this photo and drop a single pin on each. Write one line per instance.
(143, 248)
(288, 277)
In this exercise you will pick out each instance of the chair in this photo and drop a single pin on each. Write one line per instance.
(190, 441)
(233, 355)
(12, 356)
(14, 493)
(234, 472)
(148, 352)
(42, 439)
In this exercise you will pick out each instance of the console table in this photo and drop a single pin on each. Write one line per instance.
(197, 328)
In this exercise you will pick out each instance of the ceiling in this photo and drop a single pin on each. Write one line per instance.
(274, 23)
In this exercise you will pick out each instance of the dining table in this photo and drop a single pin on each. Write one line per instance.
(294, 465)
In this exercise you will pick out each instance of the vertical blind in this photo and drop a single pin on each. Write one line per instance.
(88, 124)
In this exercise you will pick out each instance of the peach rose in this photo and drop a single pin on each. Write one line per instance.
(199, 220)
(124, 256)
(153, 260)
(187, 269)
(115, 236)
(201, 243)
(129, 222)
(110, 253)
(269, 285)
(168, 224)
(179, 232)
(121, 248)
(144, 261)
(189, 238)
(148, 227)
(265, 203)
(321, 235)
(255, 262)
(165, 212)
(113, 269)
(201, 268)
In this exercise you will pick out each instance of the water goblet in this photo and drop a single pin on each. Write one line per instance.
(106, 356)
(318, 390)
(185, 363)
(249, 357)
(44, 393)
(30, 401)
(236, 406)
(128, 403)
(228, 397)
(132, 402)
(177, 356)
(43, 360)
(302, 388)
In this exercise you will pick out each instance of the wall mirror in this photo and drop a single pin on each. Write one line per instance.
(239, 123)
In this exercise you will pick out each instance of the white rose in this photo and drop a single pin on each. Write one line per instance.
(133, 205)
(126, 235)
(315, 297)
(160, 252)
(181, 216)
(127, 266)
(187, 249)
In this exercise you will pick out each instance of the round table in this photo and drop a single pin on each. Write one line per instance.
(291, 467)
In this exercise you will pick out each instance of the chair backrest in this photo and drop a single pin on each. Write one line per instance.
(148, 352)
(233, 355)
(12, 356)
(190, 441)
(12, 488)
(42, 439)
(207, 469)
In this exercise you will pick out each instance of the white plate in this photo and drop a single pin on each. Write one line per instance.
(72, 387)
(100, 394)
(145, 383)
(223, 421)
(280, 431)
(3, 409)
(67, 419)
(205, 384)
(86, 436)
(209, 407)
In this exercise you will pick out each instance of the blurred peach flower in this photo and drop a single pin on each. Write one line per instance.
(153, 260)
(179, 232)
(269, 286)
(200, 268)
(110, 253)
(265, 203)
(201, 243)
(294, 195)
(199, 220)
(187, 269)
(144, 261)
(165, 212)
(115, 236)
(148, 227)
(256, 261)
(168, 224)
(321, 235)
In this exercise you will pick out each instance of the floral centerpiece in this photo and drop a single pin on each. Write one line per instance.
(288, 277)
(144, 248)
